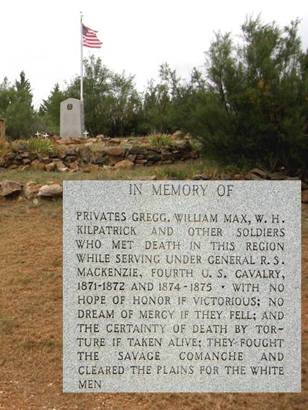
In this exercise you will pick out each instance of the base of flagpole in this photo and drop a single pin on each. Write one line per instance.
(82, 117)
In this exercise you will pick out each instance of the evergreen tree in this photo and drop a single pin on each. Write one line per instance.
(49, 111)
(257, 108)
(19, 112)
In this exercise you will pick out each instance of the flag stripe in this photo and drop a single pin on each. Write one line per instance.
(89, 38)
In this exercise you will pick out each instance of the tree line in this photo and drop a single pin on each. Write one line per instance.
(249, 103)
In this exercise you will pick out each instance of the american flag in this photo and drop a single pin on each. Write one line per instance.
(89, 38)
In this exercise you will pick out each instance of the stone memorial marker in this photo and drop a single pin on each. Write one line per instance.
(71, 118)
(182, 286)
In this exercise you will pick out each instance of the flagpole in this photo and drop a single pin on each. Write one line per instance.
(81, 60)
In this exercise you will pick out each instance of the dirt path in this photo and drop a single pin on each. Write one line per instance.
(31, 326)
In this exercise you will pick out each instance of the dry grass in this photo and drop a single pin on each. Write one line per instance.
(179, 170)
(31, 326)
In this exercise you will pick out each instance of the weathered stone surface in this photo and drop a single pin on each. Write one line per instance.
(51, 167)
(38, 165)
(259, 173)
(116, 151)
(59, 165)
(277, 176)
(71, 118)
(203, 177)
(74, 166)
(85, 154)
(50, 191)
(141, 161)
(178, 135)
(31, 189)
(10, 188)
(125, 164)
(205, 319)
(99, 151)
(238, 177)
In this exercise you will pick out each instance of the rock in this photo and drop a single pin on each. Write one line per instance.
(201, 177)
(277, 176)
(182, 145)
(178, 135)
(255, 177)
(132, 157)
(305, 196)
(55, 165)
(115, 141)
(238, 177)
(60, 166)
(124, 164)
(36, 164)
(116, 151)
(10, 188)
(31, 189)
(50, 191)
(51, 167)
(85, 154)
(148, 178)
(44, 159)
(259, 173)
(74, 166)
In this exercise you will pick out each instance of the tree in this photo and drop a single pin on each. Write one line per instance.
(257, 108)
(49, 112)
(16, 107)
(160, 101)
(111, 100)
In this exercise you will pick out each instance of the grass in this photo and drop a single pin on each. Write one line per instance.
(160, 140)
(31, 328)
(6, 325)
(40, 145)
(179, 170)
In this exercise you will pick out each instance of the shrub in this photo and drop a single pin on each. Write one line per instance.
(256, 104)
(160, 140)
(40, 145)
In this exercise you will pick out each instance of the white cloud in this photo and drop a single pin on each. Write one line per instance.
(42, 38)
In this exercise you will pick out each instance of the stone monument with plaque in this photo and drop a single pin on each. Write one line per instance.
(182, 286)
(71, 118)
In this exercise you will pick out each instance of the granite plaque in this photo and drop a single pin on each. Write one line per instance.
(182, 286)
(71, 118)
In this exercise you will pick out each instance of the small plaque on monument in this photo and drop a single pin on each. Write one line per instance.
(71, 118)
(182, 286)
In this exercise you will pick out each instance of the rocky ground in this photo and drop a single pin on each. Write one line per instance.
(31, 190)
(73, 154)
